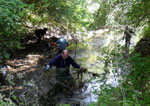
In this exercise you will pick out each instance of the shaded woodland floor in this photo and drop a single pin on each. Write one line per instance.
(27, 68)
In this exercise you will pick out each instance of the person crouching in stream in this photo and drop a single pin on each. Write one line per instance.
(62, 63)
(63, 43)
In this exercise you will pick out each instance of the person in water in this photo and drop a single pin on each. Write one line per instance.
(62, 63)
(63, 43)
(128, 35)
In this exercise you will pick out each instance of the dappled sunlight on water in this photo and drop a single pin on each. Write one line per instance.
(89, 58)
(92, 57)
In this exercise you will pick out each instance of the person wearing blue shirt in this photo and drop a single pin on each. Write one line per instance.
(62, 63)
(63, 43)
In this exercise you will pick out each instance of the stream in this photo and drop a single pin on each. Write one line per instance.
(90, 59)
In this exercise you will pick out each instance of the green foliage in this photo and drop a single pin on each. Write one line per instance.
(12, 18)
(100, 16)
(121, 12)
(140, 72)
(79, 45)
(109, 97)
(62, 105)
(134, 83)
(69, 15)
(147, 31)
(115, 97)
(139, 12)
(5, 103)
(137, 82)
(111, 13)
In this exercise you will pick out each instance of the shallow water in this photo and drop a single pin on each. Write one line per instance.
(90, 59)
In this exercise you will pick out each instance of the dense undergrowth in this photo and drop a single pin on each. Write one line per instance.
(132, 73)
(133, 88)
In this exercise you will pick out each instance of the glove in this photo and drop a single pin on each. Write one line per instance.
(47, 67)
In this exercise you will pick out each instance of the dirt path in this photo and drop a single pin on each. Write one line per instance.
(27, 69)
